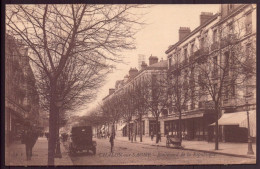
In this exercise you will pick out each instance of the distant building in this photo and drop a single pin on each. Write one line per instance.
(155, 69)
(141, 58)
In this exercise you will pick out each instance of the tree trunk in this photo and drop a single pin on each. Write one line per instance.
(57, 150)
(156, 129)
(52, 125)
(113, 130)
(180, 128)
(128, 130)
(216, 130)
(135, 130)
(141, 129)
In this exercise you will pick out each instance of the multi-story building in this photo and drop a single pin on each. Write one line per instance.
(234, 24)
(154, 69)
(21, 97)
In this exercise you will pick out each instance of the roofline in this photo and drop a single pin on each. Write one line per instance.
(233, 13)
(138, 74)
(214, 17)
(197, 29)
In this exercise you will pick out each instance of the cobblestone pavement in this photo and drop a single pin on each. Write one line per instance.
(126, 153)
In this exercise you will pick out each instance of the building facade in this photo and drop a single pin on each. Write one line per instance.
(157, 69)
(21, 97)
(234, 27)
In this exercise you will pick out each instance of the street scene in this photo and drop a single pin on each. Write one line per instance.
(129, 84)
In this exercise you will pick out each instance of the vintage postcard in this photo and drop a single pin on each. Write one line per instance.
(130, 84)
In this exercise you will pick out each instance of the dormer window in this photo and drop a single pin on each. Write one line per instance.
(230, 7)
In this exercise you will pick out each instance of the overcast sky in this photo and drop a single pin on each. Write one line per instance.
(160, 32)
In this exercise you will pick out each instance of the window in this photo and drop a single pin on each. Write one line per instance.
(227, 63)
(231, 27)
(248, 23)
(191, 49)
(202, 41)
(215, 66)
(185, 55)
(214, 35)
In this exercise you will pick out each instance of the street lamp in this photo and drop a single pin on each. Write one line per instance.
(250, 148)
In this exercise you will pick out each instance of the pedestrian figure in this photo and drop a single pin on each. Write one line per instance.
(29, 139)
(132, 136)
(111, 140)
(159, 136)
(152, 135)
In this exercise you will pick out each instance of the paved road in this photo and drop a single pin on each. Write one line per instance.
(126, 153)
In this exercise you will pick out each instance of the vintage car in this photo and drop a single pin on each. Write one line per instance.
(81, 139)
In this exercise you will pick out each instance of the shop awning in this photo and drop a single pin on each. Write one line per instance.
(121, 127)
(240, 119)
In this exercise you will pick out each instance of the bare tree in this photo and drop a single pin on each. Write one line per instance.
(61, 37)
(141, 96)
(112, 109)
(158, 96)
(128, 108)
(181, 88)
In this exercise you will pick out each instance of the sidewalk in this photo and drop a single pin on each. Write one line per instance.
(232, 149)
(15, 155)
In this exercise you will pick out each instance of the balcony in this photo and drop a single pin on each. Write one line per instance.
(214, 46)
(209, 105)
(201, 55)
(229, 103)
(230, 39)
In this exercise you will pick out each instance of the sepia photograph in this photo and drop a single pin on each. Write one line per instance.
(130, 84)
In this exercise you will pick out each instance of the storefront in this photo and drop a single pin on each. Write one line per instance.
(193, 127)
(152, 126)
(233, 126)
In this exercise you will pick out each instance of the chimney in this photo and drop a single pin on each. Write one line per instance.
(143, 65)
(205, 16)
(132, 72)
(153, 60)
(183, 32)
(111, 91)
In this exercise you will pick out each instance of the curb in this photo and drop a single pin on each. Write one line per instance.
(205, 151)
